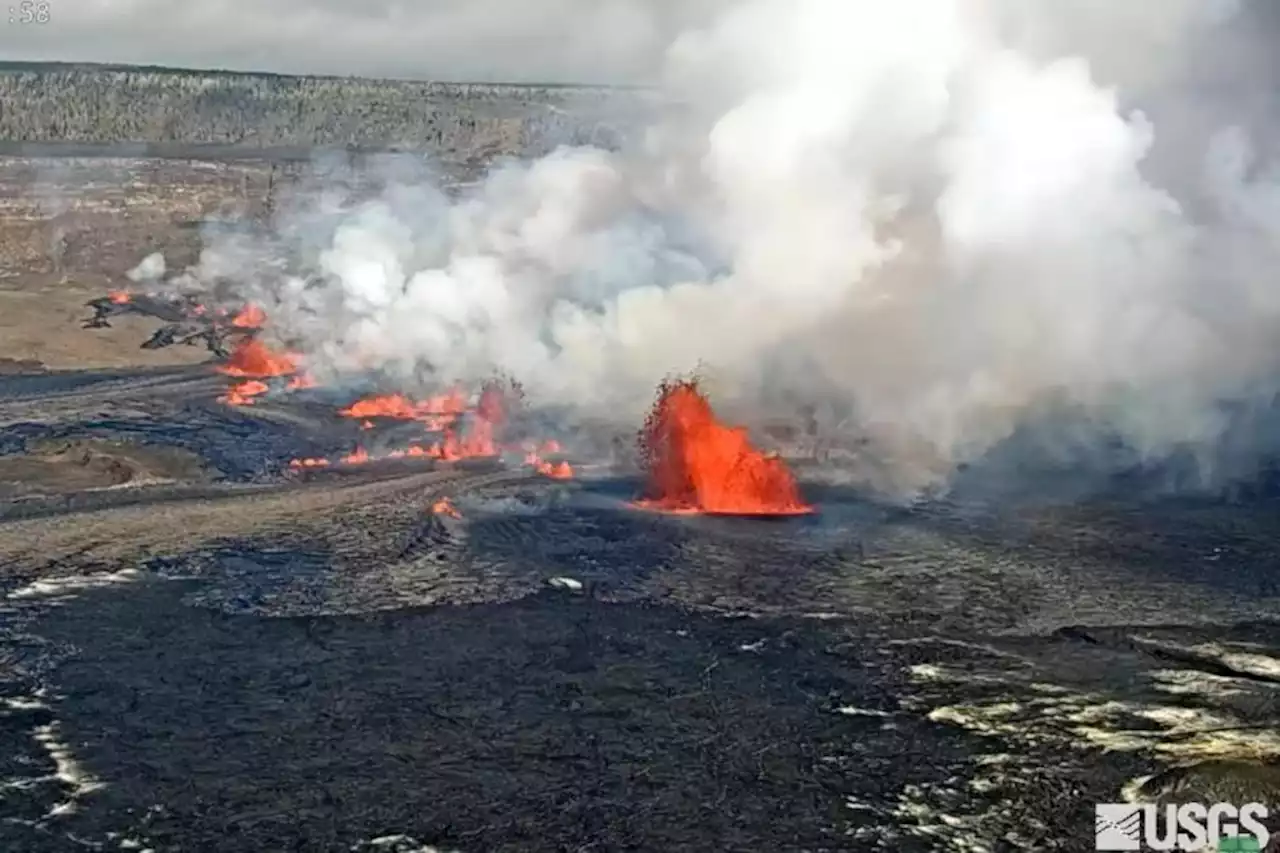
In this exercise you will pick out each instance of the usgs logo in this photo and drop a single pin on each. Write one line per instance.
(1192, 826)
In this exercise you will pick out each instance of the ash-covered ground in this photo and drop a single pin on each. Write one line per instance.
(204, 648)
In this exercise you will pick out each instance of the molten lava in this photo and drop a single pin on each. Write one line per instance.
(436, 411)
(694, 463)
(479, 439)
(119, 297)
(252, 359)
(466, 432)
(445, 507)
(442, 413)
(249, 317)
(255, 361)
(492, 405)
(475, 442)
(555, 470)
(243, 393)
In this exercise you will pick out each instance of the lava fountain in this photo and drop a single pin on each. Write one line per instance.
(696, 464)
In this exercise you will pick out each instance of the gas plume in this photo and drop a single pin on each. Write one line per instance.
(939, 223)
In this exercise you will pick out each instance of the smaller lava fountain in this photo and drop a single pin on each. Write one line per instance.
(251, 316)
(695, 464)
(253, 359)
(533, 457)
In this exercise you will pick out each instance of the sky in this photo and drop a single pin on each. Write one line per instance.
(597, 41)
(553, 41)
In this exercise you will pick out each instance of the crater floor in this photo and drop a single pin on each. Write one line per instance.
(204, 650)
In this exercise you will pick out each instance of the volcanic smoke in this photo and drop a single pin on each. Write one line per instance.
(693, 463)
(952, 228)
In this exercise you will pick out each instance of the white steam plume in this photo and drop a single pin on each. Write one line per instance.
(929, 213)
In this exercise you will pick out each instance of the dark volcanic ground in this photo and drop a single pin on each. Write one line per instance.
(200, 651)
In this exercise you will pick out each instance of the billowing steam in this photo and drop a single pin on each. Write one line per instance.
(937, 221)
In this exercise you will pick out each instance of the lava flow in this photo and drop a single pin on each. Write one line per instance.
(441, 413)
(436, 412)
(695, 464)
(467, 431)
(243, 393)
(252, 359)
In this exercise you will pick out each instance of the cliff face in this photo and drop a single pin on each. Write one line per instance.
(86, 104)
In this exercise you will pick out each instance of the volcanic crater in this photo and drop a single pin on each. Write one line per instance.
(242, 614)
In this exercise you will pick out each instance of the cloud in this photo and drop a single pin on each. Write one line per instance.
(611, 41)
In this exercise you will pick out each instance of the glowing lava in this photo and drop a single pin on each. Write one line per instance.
(119, 297)
(397, 406)
(385, 406)
(445, 507)
(436, 413)
(255, 361)
(252, 359)
(555, 470)
(489, 415)
(250, 317)
(696, 464)
(441, 413)
(243, 393)
(466, 431)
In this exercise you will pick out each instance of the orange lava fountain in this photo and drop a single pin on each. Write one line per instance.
(695, 464)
